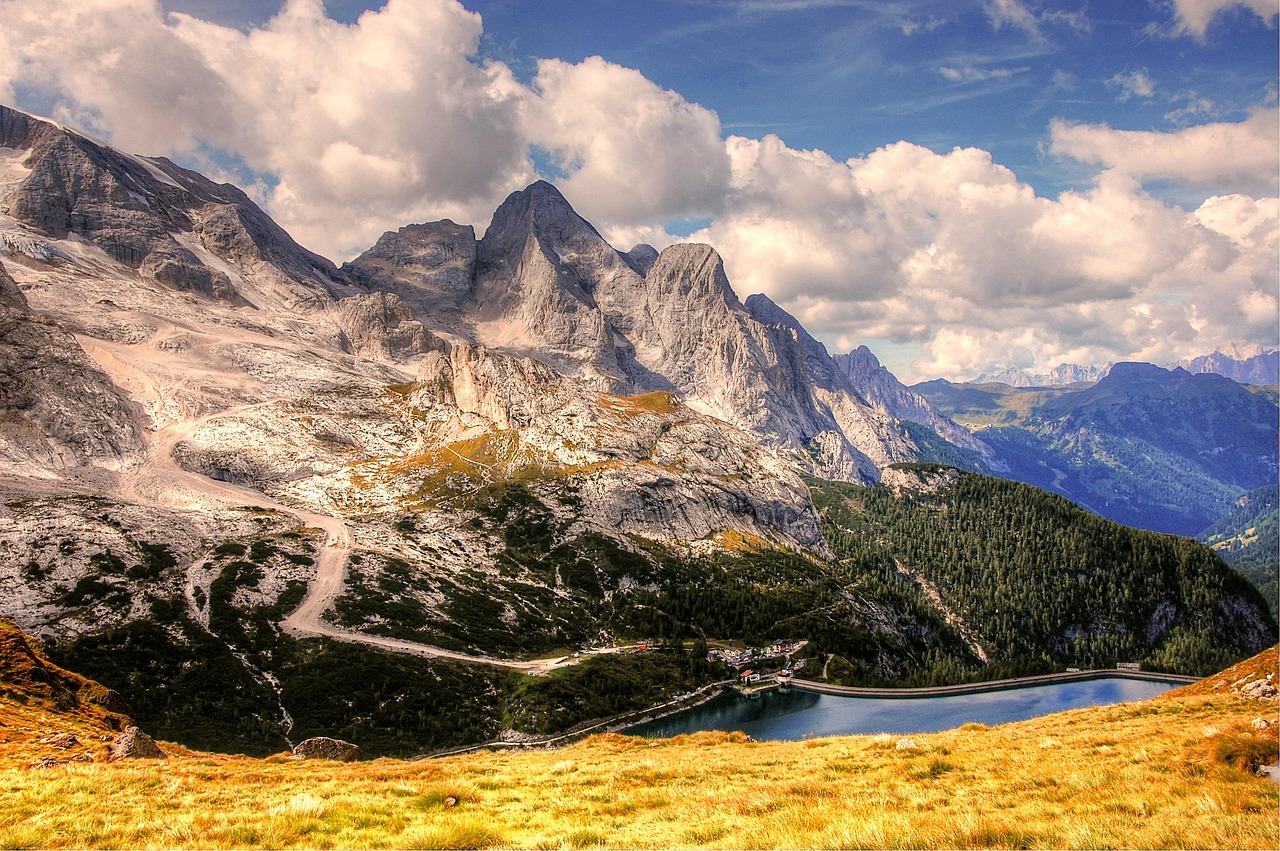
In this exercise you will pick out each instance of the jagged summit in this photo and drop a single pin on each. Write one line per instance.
(538, 212)
(544, 284)
(1249, 364)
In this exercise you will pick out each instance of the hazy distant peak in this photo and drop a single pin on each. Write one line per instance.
(1061, 375)
(1248, 364)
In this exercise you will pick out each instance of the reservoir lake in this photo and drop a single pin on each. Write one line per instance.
(778, 716)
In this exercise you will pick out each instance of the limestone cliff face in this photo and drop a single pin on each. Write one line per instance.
(545, 285)
(431, 267)
(381, 325)
(58, 410)
(647, 464)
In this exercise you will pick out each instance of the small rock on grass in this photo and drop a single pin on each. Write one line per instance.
(323, 747)
(135, 744)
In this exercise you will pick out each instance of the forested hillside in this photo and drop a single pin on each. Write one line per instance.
(1034, 576)
(1248, 539)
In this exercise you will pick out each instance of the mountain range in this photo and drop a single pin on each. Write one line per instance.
(1244, 364)
(233, 471)
(1145, 446)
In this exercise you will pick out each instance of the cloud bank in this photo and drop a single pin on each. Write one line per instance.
(345, 131)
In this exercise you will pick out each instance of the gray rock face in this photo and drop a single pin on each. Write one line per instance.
(135, 744)
(432, 267)
(886, 393)
(647, 465)
(58, 410)
(381, 325)
(323, 747)
(547, 286)
(642, 257)
(153, 216)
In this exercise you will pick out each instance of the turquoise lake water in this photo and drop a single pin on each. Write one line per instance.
(775, 716)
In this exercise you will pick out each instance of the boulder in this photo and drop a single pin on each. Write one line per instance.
(1259, 690)
(135, 744)
(323, 747)
(61, 741)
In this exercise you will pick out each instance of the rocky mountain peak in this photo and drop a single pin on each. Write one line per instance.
(692, 271)
(168, 224)
(767, 312)
(540, 212)
(431, 266)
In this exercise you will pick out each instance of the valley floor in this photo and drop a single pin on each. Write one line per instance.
(1153, 774)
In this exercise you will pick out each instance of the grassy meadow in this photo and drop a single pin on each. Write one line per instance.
(1167, 773)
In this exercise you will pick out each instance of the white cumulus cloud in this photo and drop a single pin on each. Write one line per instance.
(1241, 155)
(1133, 84)
(1194, 16)
(633, 152)
(954, 252)
(347, 130)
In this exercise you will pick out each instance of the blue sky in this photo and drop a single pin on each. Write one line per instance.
(849, 77)
(1113, 196)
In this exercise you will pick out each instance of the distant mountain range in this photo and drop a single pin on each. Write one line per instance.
(1063, 374)
(1153, 448)
(1245, 364)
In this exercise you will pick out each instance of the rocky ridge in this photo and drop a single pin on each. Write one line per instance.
(174, 357)
(1245, 364)
(543, 283)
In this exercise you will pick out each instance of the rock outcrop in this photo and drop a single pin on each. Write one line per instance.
(58, 409)
(135, 744)
(171, 225)
(647, 464)
(323, 747)
(381, 325)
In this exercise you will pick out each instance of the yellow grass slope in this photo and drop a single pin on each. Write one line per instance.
(1152, 774)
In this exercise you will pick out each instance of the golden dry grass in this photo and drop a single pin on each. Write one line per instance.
(657, 402)
(1128, 776)
(1254, 668)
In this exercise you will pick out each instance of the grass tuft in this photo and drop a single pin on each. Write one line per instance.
(467, 835)
(585, 837)
(1243, 749)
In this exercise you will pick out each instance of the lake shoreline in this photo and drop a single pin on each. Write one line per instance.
(990, 685)
(796, 713)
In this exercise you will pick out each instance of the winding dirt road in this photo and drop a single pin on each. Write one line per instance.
(159, 481)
